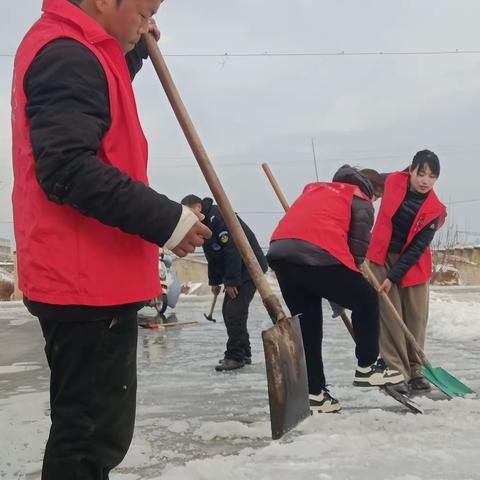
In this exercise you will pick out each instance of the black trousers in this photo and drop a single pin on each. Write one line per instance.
(303, 288)
(235, 315)
(93, 387)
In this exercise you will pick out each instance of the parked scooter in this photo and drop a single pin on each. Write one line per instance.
(170, 285)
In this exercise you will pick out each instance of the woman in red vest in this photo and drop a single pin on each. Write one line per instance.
(315, 252)
(399, 255)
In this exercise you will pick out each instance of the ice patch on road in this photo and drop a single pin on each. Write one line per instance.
(179, 427)
(18, 368)
(20, 321)
(24, 424)
(124, 476)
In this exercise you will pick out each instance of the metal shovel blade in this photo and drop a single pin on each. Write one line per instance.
(286, 375)
(445, 382)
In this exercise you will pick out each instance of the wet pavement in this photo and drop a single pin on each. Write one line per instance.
(186, 410)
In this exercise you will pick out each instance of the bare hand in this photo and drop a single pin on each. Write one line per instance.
(385, 286)
(216, 289)
(153, 29)
(193, 239)
(232, 292)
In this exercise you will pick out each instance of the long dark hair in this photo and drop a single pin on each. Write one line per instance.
(426, 157)
(376, 179)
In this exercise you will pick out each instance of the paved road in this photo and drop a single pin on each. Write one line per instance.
(186, 410)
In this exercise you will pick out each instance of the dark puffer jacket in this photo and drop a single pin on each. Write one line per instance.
(401, 224)
(304, 253)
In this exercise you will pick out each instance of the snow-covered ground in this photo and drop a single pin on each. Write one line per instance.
(195, 423)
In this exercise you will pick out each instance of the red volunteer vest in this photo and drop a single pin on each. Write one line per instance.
(64, 257)
(321, 216)
(395, 190)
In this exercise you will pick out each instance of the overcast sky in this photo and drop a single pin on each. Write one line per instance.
(371, 110)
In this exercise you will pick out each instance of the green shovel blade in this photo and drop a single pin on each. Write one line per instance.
(447, 383)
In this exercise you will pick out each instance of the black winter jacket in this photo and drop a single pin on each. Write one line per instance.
(225, 264)
(362, 215)
(69, 112)
(401, 224)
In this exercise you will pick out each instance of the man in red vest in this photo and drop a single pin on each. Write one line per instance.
(399, 255)
(315, 252)
(87, 225)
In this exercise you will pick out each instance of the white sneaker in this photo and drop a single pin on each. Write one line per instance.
(324, 403)
(376, 375)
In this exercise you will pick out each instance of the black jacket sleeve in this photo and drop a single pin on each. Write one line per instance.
(359, 233)
(69, 111)
(135, 57)
(413, 252)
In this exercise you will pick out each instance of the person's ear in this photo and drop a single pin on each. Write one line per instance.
(101, 5)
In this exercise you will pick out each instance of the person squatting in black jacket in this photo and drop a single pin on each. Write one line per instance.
(225, 266)
(315, 253)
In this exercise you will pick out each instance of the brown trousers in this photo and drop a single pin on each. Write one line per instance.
(412, 305)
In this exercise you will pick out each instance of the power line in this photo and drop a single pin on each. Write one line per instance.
(313, 54)
(323, 54)
(465, 201)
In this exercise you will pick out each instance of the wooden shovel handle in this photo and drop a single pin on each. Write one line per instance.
(269, 299)
(276, 186)
(213, 305)
(410, 338)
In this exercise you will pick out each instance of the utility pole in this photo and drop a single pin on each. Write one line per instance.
(314, 158)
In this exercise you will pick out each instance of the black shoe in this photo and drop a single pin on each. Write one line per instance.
(323, 403)
(229, 364)
(247, 360)
(419, 384)
(376, 375)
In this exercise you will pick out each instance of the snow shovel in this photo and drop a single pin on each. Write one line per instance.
(283, 345)
(444, 381)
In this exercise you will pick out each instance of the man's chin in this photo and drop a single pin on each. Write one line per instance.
(129, 47)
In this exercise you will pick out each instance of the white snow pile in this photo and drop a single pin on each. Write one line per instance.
(211, 430)
(453, 320)
(444, 267)
(442, 445)
(5, 276)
